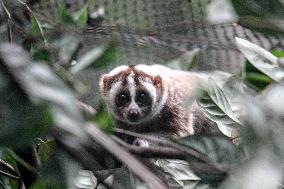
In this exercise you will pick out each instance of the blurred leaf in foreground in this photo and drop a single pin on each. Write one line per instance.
(40, 85)
(19, 117)
(221, 11)
(69, 47)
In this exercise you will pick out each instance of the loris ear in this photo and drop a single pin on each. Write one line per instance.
(158, 81)
(105, 83)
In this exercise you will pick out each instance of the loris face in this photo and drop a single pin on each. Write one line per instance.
(133, 94)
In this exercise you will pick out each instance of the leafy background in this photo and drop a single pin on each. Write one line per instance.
(56, 134)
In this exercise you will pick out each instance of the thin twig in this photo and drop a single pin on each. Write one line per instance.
(133, 164)
(8, 166)
(233, 138)
(75, 149)
(78, 153)
(163, 142)
(170, 153)
(9, 175)
(21, 161)
(86, 108)
(9, 22)
(33, 14)
(191, 151)
(100, 180)
(151, 151)
(3, 185)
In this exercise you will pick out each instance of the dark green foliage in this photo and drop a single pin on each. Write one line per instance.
(261, 15)
(19, 117)
(78, 18)
(41, 55)
(44, 133)
(104, 120)
(256, 78)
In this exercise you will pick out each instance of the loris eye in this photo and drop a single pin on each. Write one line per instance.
(122, 99)
(143, 98)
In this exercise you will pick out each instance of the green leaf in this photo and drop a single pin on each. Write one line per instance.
(46, 150)
(37, 28)
(255, 78)
(219, 150)
(20, 160)
(104, 121)
(96, 58)
(177, 172)
(40, 184)
(78, 18)
(258, 80)
(55, 172)
(278, 53)
(64, 16)
(43, 183)
(109, 55)
(42, 54)
(261, 59)
(81, 17)
(215, 105)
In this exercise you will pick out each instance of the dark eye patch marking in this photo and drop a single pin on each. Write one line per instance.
(143, 98)
(122, 98)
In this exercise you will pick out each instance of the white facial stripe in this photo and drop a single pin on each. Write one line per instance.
(131, 86)
(151, 90)
(113, 91)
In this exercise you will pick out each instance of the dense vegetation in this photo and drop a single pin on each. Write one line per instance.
(50, 134)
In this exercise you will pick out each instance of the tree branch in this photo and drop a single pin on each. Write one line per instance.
(89, 110)
(8, 167)
(135, 166)
(187, 150)
(9, 22)
(33, 15)
(73, 146)
(151, 151)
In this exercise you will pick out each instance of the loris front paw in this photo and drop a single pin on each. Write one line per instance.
(141, 142)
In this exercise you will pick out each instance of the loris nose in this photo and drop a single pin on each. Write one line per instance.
(133, 115)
